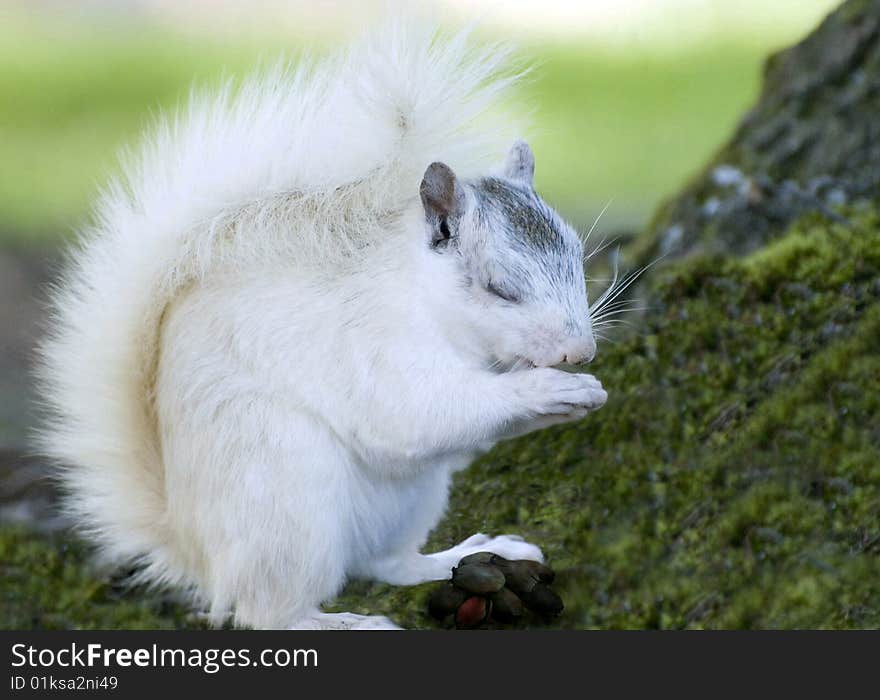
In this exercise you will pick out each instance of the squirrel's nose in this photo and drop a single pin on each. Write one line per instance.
(588, 356)
(580, 352)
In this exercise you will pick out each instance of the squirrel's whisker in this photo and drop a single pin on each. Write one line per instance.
(596, 222)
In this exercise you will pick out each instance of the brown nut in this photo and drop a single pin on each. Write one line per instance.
(481, 579)
(445, 600)
(477, 558)
(472, 612)
(520, 580)
(543, 601)
(544, 573)
(506, 605)
(535, 568)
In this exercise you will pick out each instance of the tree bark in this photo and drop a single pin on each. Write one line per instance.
(810, 144)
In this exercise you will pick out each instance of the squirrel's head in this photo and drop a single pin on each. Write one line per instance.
(520, 265)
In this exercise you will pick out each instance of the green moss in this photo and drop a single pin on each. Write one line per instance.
(732, 480)
(47, 583)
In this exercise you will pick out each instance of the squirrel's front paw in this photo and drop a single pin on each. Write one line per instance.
(554, 392)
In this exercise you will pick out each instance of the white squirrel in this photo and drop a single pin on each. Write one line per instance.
(306, 306)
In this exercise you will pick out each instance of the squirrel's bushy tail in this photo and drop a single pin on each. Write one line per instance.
(295, 162)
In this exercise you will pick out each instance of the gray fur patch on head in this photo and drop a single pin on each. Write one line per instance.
(532, 250)
(527, 218)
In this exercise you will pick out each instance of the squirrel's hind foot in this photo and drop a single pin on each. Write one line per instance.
(343, 621)
(508, 546)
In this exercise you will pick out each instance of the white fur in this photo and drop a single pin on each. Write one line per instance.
(259, 375)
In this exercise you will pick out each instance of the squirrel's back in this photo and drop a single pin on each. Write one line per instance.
(303, 165)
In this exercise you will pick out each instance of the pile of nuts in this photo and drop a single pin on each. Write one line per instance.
(486, 586)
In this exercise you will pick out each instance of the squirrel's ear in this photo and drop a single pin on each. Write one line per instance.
(520, 164)
(443, 200)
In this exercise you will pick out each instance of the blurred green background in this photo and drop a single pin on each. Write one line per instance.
(626, 103)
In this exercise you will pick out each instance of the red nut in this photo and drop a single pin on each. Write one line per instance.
(471, 612)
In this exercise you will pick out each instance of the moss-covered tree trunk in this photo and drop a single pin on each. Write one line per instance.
(810, 144)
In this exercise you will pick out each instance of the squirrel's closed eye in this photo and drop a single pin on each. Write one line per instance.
(500, 293)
